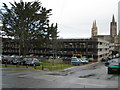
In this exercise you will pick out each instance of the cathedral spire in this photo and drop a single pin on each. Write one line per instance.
(113, 19)
(95, 23)
(113, 27)
(94, 29)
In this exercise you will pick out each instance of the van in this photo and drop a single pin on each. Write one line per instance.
(75, 61)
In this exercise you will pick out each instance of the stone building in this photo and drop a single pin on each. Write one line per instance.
(94, 29)
(113, 38)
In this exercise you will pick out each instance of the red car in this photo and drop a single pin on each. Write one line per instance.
(91, 59)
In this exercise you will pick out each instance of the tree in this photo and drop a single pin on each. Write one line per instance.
(53, 36)
(27, 22)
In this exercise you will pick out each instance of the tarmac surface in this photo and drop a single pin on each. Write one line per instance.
(86, 76)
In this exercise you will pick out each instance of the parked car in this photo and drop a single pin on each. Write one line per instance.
(23, 61)
(104, 59)
(84, 61)
(117, 55)
(16, 61)
(0, 59)
(114, 67)
(75, 61)
(91, 59)
(108, 62)
(7, 59)
(32, 62)
(110, 57)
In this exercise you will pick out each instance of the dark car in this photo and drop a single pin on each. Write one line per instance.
(32, 62)
(107, 62)
(23, 61)
(114, 67)
(16, 61)
(104, 59)
(7, 59)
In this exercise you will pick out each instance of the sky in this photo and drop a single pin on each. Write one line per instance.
(119, 17)
(75, 17)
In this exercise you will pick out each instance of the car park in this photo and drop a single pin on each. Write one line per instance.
(114, 67)
(75, 61)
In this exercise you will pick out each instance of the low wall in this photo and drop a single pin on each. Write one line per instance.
(58, 60)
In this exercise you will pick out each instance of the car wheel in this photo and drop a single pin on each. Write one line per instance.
(109, 71)
(34, 64)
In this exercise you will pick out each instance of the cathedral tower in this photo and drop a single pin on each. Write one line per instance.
(94, 29)
(113, 28)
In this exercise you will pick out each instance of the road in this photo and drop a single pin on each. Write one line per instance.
(86, 76)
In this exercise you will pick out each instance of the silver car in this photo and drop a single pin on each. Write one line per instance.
(33, 62)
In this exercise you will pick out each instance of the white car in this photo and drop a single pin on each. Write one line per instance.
(83, 61)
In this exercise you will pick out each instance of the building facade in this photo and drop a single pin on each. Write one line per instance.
(91, 47)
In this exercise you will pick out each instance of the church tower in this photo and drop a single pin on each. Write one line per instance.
(94, 29)
(113, 28)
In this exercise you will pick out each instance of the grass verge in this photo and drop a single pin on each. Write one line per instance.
(45, 66)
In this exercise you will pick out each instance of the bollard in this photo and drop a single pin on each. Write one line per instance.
(42, 67)
(5, 64)
(17, 64)
(26, 66)
(34, 66)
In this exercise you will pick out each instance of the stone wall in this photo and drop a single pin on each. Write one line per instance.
(58, 60)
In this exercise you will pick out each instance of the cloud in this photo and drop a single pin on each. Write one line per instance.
(75, 17)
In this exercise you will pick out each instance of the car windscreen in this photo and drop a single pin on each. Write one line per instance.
(114, 63)
(11, 58)
(74, 59)
(29, 59)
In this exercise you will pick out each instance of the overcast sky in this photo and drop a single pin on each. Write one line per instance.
(75, 17)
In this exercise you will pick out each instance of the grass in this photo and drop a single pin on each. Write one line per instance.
(45, 65)
(56, 66)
